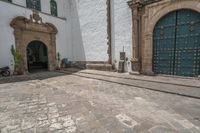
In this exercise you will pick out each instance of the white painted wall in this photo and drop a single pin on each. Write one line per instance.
(121, 31)
(78, 49)
(82, 29)
(45, 6)
(89, 30)
(19, 2)
(63, 38)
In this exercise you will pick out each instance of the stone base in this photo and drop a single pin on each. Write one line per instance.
(149, 73)
(135, 66)
(103, 67)
(134, 73)
(121, 66)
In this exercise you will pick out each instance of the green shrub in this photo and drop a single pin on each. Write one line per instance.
(18, 60)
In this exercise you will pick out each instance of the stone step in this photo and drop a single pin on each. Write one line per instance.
(103, 67)
(179, 89)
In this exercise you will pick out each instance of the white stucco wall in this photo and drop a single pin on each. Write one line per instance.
(121, 31)
(45, 6)
(63, 38)
(89, 30)
(82, 29)
(19, 2)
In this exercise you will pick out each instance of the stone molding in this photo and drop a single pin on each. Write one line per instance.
(136, 7)
(31, 29)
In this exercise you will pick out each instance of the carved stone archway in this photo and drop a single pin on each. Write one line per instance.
(145, 15)
(33, 29)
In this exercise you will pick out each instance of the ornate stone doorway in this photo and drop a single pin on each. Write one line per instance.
(37, 56)
(33, 29)
(145, 16)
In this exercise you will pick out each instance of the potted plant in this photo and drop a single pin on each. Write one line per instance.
(18, 61)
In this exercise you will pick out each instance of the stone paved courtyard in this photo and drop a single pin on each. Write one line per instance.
(59, 103)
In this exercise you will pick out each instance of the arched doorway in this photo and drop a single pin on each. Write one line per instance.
(33, 28)
(176, 44)
(37, 56)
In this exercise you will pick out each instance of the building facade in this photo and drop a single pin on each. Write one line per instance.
(67, 28)
(158, 36)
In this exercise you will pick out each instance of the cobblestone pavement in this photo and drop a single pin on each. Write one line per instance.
(72, 104)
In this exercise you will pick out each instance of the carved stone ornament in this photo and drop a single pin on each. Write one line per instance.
(33, 29)
(35, 17)
(34, 23)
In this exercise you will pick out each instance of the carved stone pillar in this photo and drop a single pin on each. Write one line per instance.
(136, 30)
(52, 62)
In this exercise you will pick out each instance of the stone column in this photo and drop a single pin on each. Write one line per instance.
(52, 50)
(136, 28)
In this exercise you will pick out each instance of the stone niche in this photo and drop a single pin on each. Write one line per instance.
(31, 29)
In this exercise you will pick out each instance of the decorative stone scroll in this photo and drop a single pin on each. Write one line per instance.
(35, 17)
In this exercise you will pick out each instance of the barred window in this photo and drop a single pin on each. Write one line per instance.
(53, 5)
(34, 4)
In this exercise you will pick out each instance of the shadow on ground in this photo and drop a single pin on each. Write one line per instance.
(34, 76)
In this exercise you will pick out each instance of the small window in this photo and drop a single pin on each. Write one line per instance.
(34, 4)
(53, 5)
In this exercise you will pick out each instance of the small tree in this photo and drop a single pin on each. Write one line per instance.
(18, 64)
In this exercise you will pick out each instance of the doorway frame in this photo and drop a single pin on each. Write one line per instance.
(33, 29)
(145, 15)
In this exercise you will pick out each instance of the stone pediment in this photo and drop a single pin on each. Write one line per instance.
(34, 23)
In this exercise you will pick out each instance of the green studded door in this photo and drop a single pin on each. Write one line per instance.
(176, 44)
